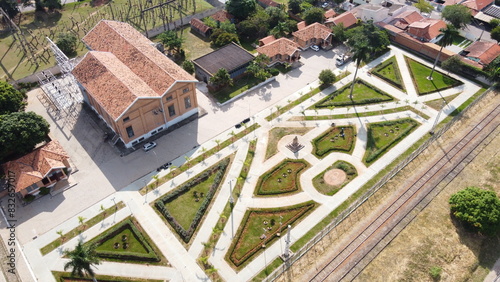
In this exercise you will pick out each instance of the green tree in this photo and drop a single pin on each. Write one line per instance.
(276, 15)
(52, 4)
(326, 77)
(339, 32)
(493, 70)
(82, 258)
(280, 30)
(11, 100)
(10, 7)
(294, 6)
(453, 63)
(67, 42)
(494, 23)
(314, 15)
(424, 6)
(360, 54)
(221, 38)
(255, 26)
(171, 40)
(479, 209)
(188, 66)
(368, 35)
(495, 34)
(21, 132)
(241, 9)
(447, 35)
(221, 78)
(458, 15)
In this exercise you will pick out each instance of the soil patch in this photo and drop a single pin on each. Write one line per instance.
(334, 177)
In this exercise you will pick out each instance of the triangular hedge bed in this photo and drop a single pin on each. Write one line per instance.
(211, 178)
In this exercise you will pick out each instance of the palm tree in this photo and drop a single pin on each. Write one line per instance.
(82, 258)
(447, 35)
(360, 54)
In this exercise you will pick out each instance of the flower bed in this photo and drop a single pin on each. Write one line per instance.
(389, 72)
(363, 94)
(329, 190)
(384, 135)
(249, 240)
(216, 174)
(338, 138)
(282, 179)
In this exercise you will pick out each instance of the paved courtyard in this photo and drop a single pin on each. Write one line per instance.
(104, 177)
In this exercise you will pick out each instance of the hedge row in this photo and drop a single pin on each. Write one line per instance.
(328, 101)
(396, 73)
(348, 168)
(321, 153)
(373, 156)
(278, 167)
(250, 253)
(186, 235)
(117, 229)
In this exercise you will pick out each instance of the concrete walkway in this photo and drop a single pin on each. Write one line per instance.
(183, 259)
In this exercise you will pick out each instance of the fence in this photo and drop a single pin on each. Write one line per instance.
(344, 214)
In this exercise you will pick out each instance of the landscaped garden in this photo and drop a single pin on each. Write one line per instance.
(185, 207)
(260, 227)
(239, 86)
(284, 178)
(277, 133)
(335, 139)
(337, 176)
(363, 94)
(420, 74)
(127, 242)
(389, 71)
(384, 135)
(66, 277)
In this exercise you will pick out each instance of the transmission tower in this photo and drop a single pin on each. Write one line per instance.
(28, 49)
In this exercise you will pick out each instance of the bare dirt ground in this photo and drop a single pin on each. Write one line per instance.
(432, 239)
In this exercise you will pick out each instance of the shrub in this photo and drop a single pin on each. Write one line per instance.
(44, 191)
(29, 198)
(274, 71)
(435, 272)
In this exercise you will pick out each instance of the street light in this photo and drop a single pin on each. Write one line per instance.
(231, 199)
(146, 197)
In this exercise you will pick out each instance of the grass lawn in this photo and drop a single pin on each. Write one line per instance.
(66, 277)
(330, 190)
(125, 241)
(384, 135)
(282, 179)
(277, 133)
(338, 138)
(239, 86)
(185, 206)
(250, 237)
(86, 225)
(389, 71)
(194, 46)
(438, 103)
(362, 94)
(424, 86)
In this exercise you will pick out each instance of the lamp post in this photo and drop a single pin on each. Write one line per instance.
(231, 205)
(146, 196)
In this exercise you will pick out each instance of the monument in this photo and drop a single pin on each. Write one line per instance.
(295, 146)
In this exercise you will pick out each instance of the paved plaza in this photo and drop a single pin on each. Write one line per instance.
(104, 177)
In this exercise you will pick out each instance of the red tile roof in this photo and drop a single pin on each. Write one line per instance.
(135, 66)
(330, 14)
(283, 46)
(347, 19)
(427, 29)
(222, 16)
(406, 18)
(315, 30)
(199, 25)
(266, 40)
(33, 167)
(486, 52)
(301, 25)
(476, 5)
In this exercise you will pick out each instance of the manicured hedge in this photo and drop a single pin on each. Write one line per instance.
(270, 173)
(319, 139)
(186, 235)
(151, 256)
(377, 69)
(375, 155)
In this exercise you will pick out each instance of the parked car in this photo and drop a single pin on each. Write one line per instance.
(324, 5)
(315, 48)
(148, 146)
(341, 59)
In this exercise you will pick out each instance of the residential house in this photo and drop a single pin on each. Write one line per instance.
(47, 166)
(222, 16)
(231, 57)
(371, 12)
(282, 50)
(200, 27)
(475, 6)
(347, 19)
(133, 87)
(313, 34)
(330, 13)
(426, 30)
(488, 13)
(481, 52)
(403, 20)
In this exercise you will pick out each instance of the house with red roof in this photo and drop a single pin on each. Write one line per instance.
(426, 30)
(476, 6)
(222, 16)
(131, 85)
(200, 27)
(313, 34)
(282, 50)
(347, 19)
(406, 18)
(481, 52)
(47, 166)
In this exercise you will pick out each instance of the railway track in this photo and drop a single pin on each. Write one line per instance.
(364, 246)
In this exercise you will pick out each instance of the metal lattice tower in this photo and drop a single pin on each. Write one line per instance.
(62, 60)
(27, 48)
